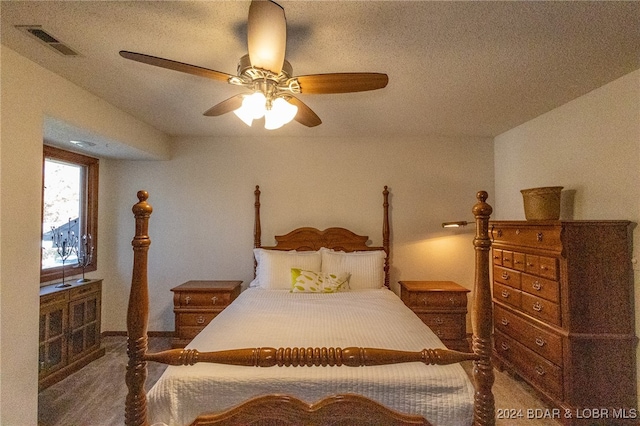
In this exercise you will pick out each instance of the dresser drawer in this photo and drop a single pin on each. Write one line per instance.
(446, 326)
(78, 292)
(497, 257)
(543, 236)
(541, 308)
(507, 259)
(548, 268)
(506, 276)
(435, 299)
(534, 367)
(193, 299)
(541, 287)
(507, 295)
(62, 296)
(543, 342)
(519, 261)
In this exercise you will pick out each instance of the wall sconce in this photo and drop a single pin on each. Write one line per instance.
(458, 224)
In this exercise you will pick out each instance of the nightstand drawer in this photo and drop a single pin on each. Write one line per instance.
(436, 299)
(446, 326)
(199, 299)
(199, 319)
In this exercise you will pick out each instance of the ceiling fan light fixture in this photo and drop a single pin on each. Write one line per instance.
(281, 113)
(253, 108)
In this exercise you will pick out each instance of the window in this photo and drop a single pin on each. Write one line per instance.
(69, 212)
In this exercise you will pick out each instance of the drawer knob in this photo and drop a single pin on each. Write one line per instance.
(540, 341)
(539, 237)
(200, 320)
(537, 307)
(499, 232)
(214, 299)
(504, 346)
(187, 299)
(504, 321)
(439, 321)
(540, 370)
(505, 294)
(536, 285)
(505, 275)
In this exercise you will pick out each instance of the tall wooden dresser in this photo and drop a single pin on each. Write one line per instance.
(564, 316)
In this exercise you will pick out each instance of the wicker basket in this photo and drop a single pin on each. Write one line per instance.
(542, 203)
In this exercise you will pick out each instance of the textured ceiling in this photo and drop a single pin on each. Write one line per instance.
(455, 68)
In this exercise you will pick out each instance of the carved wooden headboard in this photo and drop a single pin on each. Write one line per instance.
(335, 238)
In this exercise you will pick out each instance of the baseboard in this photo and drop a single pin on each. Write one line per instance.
(149, 333)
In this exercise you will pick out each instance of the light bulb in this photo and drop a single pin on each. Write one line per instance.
(281, 113)
(253, 108)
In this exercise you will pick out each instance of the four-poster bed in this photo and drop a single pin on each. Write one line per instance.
(323, 372)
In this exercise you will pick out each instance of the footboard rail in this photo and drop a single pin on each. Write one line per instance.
(299, 357)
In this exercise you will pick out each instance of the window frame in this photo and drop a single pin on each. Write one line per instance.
(90, 168)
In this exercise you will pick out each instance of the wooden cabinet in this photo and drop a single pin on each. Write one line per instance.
(563, 313)
(442, 305)
(196, 303)
(69, 330)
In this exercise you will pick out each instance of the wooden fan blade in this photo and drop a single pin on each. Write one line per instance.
(305, 115)
(176, 66)
(231, 104)
(267, 35)
(341, 82)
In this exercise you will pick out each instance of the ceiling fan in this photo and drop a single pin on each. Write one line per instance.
(268, 76)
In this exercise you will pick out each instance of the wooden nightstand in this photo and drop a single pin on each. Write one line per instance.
(196, 303)
(442, 305)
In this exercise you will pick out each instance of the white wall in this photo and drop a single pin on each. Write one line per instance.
(202, 225)
(29, 93)
(590, 146)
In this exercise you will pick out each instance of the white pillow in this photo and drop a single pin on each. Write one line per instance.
(366, 267)
(274, 266)
(303, 281)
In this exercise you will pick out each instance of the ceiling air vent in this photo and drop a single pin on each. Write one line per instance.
(46, 38)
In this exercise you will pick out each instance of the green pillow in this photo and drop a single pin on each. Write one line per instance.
(303, 281)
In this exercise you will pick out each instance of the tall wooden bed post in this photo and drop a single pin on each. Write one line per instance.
(482, 317)
(138, 318)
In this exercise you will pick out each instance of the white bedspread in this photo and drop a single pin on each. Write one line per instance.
(276, 318)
